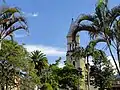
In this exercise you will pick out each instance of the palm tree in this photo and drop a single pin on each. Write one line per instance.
(11, 20)
(41, 64)
(40, 61)
(100, 26)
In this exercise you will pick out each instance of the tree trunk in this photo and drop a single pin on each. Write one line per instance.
(118, 53)
(113, 58)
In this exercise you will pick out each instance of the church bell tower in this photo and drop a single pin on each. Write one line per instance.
(71, 48)
(71, 45)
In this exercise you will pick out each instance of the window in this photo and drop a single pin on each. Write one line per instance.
(74, 63)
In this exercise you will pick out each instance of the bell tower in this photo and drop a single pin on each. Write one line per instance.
(71, 48)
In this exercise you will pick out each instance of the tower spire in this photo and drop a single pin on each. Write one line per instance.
(71, 28)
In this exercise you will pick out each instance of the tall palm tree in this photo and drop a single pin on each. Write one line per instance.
(40, 61)
(101, 25)
(11, 20)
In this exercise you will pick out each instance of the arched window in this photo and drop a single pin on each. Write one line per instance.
(74, 63)
(70, 47)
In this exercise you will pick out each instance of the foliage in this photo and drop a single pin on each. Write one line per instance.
(11, 20)
(69, 77)
(39, 60)
(15, 62)
(51, 74)
(13, 53)
(7, 71)
(101, 72)
(103, 25)
(47, 86)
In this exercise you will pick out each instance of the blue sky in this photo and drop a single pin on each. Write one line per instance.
(49, 22)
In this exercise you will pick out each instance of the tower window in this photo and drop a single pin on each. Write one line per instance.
(74, 63)
(70, 47)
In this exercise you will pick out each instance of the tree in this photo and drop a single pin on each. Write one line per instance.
(40, 61)
(66, 77)
(51, 75)
(69, 77)
(6, 76)
(11, 20)
(101, 26)
(101, 72)
(15, 62)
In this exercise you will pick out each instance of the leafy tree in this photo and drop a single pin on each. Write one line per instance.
(101, 72)
(7, 71)
(15, 62)
(69, 77)
(66, 77)
(53, 76)
(14, 53)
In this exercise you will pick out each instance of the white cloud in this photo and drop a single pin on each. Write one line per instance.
(34, 14)
(48, 50)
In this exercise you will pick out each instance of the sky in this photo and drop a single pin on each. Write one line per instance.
(49, 22)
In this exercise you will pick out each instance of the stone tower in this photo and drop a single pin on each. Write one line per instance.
(71, 47)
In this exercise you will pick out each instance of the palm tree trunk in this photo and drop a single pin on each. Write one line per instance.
(118, 52)
(108, 44)
(113, 58)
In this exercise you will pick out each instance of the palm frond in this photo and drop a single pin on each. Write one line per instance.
(114, 13)
(11, 30)
(91, 46)
(9, 22)
(12, 10)
(84, 27)
(83, 17)
(95, 42)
